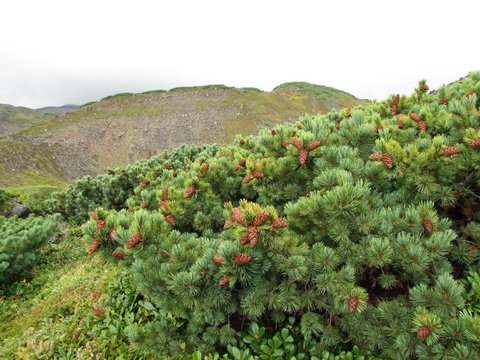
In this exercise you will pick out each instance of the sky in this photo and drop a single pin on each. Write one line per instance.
(68, 51)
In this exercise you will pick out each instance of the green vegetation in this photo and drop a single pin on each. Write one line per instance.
(347, 235)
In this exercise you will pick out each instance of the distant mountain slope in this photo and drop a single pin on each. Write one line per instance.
(14, 118)
(58, 109)
(123, 128)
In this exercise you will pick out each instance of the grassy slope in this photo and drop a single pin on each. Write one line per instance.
(52, 313)
(123, 128)
(14, 118)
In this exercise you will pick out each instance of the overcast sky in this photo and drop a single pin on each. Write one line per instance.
(68, 51)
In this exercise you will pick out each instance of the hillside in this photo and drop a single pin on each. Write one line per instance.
(124, 128)
(14, 118)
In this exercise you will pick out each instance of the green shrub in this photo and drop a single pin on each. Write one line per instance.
(19, 241)
(357, 223)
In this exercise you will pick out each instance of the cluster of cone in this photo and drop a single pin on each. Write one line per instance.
(299, 145)
(164, 205)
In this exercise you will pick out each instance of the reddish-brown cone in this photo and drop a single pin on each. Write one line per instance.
(111, 234)
(424, 331)
(259, 219)
(240, 164)
(144, 205)
(428, 225)
(244, 240)
(163, 205)
(94, 246)
(443, 100)
(134, 240)
(100, 225)
(396, 101)
(297, 143)
(415, 117)
(274, 132)
(475, 143)
(450, 150)
(313, 145)
(387, 160)
(353, 304)
(375, 156)
(257, 174)
(422, 125)
(248, 177)
(204, 169)
(279, 223)
(242, 141)
(303, 156)
(400, 121)
(378, 128)
(98, 311)
(119, 255)
(189, 192)
(224, 280)
(238, 217)
(94, 215)
(165, 194)
(170, 219)
(144, 183)
(242, 258)
(285, 143)
(228, 223)
(217, 259)
(253, 234)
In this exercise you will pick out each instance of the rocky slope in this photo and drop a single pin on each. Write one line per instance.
(123, 128)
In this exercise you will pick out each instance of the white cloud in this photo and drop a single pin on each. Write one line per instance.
(55, 52)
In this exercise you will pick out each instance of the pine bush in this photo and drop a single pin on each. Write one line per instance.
(19, 241)
(355, 225)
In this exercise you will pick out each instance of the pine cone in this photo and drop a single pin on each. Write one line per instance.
(175, 174)
(303, 156)
(228, 223)
(244, 240)
(119, 255)
(257, 174)
(225, 280)
(170, 219)
(297, 143)
(111, 234)
(94, 215)
(313, 145)
(443, 100)
(94, 246)
(279, 223)
(248, 177)
(259, 219)
(450, 150)
(428, 225)
(253, 234)
(165, 194)
(396, 100)
(143, 183)
(144, 205)
(387, 160)
(475, 143)
(100, 225)
(353, 304)
(242, 141)
(218, 259)
(424, 331)
(285, 143)
(204, 169)
(242, 258)
(134, 240)
(189, 192)
(163, 205)
(274, 132)
(240, 164)
(238, 217)
(378, 128)
(422, 125)
(375, 156)
(400, 121)
(415, 117)
(130, 209)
